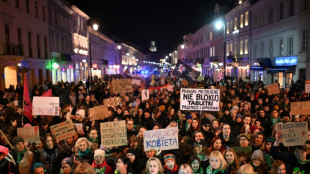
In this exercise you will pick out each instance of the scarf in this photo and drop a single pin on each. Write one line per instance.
(94, 140)
(20, 156)
(174, 170)
(84, 153)
(199, 171)
(275, 120)
(209, 170)
(201, 157)
(187, 126)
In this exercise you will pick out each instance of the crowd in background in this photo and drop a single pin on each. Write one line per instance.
(239, 138)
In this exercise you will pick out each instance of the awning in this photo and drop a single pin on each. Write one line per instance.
(275, 69)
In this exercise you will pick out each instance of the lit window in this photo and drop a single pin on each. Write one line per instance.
(241, 47)
(246, 22)
(235, 26)
(241, 21)
(210, 35)
(246, 46)
(227, 50)
(227, 28)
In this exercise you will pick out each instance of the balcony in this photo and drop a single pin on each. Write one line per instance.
(13, 49)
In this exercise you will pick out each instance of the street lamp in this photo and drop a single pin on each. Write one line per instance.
(95, 27)
(219, 24)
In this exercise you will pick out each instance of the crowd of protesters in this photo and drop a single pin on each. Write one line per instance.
(240, 138)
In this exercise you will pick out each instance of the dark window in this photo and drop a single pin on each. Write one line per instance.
(281, 11)
(36, 8)
(29, 44)
(38, 46)
(7, 34)
(55, 18)
(43, 13)
(45, 47)
(4, 0)
(50, 15)
(19, 36)
(304, 40)
(302, 74)
(270, 16)
(17, 3)
(27, 6)
(292, 7)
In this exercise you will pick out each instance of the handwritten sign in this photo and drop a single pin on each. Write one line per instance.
(292, 134)
(113, 101)
(63, 130)
(113, 133)
(122, 85)
(161, 139)
(45, 106)
(200, 99)
(162, 81)
(136, 82)
(307, 86)
(273, 89)
(300, 108)
(99, 112)
(30, 134)
(145, 94)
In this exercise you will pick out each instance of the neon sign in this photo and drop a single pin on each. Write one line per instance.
(288, 61)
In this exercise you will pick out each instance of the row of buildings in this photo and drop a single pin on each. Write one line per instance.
(260, 39)
(54, 40)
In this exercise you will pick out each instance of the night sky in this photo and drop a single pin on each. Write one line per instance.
(137, 22)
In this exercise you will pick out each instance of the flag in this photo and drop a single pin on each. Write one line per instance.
(48, 93)
(27, 101)
(186, 72)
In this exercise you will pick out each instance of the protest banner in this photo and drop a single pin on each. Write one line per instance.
(145, 94)
(307, 86)
(300, 108)
(63, 130)
(99, 112)
(113, 133)
(113, 101)
(161, 139)
(292, 134)
(136, 82)
(30, 134)
(45, 106)
(273, 89)
(200, 99)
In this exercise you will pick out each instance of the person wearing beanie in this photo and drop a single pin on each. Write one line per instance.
(22, 158)
(244, 140)
(186, 125)
(99, 164)
(80, 118)
(267, 156)
(170, 165)
(4, 159)
(66, 166)
(37, 168)
(257, 161)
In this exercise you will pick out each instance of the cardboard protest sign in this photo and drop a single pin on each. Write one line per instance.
(300, 108)
(292, 134)
(273, 89)
(307, 86)
(122, 85)
(127, 85)
(136, 82)
(79, 126)
(99, 112)
(45, 106)
(113, 133)
(30, 134)
(63, 130)
(113, 101)
(200, 99)
(145, 94)
(161, 139)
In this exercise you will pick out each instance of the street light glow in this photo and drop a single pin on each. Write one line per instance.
(119, 47)
(182, 46)
(95, 27)
(219, 24)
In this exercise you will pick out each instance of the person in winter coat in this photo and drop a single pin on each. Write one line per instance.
(218, 164)
(99, 164)
(84, 150)
(50, 153)
(133, 155)
(170, 165)
(66, 166)
(195, 163)
(154, 166)
(4, 161)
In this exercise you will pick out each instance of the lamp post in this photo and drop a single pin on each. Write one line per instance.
(219, 24)
(119, 47)
(95, 27)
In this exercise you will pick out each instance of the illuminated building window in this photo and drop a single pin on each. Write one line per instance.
(227, 28)
(235, 26)
(241, 47)
(246, 22)
(246, 46)
(210, 35)
(241, 21)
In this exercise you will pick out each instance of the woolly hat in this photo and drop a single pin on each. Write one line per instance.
(4, 150)
(270, 139)
(253, 128)
(133, 151)
(239, 115)
(67, 160)
(99, 152)
(205, 122)
(36, 165)
(188, 117)
(248, 136)
(258, 154)
(169, 157)
(16, 140)
(80, 112)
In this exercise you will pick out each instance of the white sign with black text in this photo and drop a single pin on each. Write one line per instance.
(145, 94)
